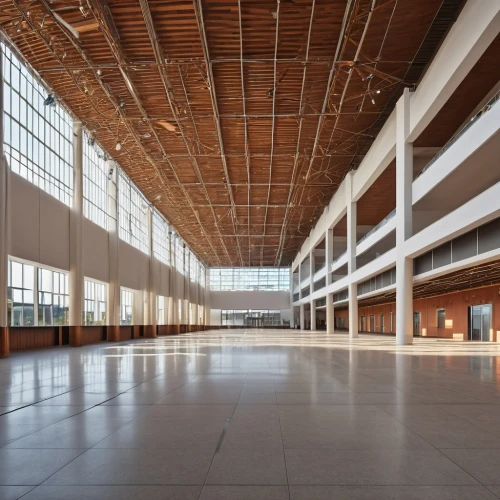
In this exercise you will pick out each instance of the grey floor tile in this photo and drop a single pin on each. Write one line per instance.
(174, 433)
(14, 492)
(244, 493)
(80, 431)
(367, 467)
(313, 433)
(32, 467)
(484, 465)
(135, 467)
(114, 493)
(390, 493)
(247, 467)
(194, 412)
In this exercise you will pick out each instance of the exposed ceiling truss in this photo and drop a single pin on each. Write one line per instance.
(238, 119)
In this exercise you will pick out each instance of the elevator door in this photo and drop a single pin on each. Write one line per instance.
(480, 322)
(416, 324)
(372, 323)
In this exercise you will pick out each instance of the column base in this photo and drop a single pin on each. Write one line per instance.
(113, 333)
(75, 336)
(4, 342)
(150, 331)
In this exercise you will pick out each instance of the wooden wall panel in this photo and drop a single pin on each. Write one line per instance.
(126, 332)
(93, 334)
(22, 338)
(456, 306)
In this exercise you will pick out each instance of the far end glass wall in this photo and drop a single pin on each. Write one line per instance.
(249, 278)
(252, 318)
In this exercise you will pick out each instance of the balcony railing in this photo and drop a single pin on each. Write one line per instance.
(339, 257)
(378, 226)
(489, 105)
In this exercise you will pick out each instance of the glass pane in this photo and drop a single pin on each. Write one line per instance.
(17, 275)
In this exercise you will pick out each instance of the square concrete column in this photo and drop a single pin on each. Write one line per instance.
(312, 267)
(404, 180)
(351, 255)
(330, 314)
(302, 318)
(328, 255)
(300, 280)
(113, 319)
(353, 310)
(313, 315)
(76, 277)
(4, 235)
(150, 318)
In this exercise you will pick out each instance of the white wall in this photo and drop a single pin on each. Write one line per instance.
(39, 233)
(39, 230)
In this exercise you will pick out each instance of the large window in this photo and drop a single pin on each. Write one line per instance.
(249, 278)
(193, 267)
(94, 312)
(21, 294)
(160, 238)
(179, 255)
(133, 214)
(37, 136)
(202, 275)
(126, 307)
(95, 183)
(53, 298)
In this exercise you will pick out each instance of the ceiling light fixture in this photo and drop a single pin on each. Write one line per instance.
(50, 101)
(118, 146)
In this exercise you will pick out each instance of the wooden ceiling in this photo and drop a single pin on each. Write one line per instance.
(238, 119)
(472, 277)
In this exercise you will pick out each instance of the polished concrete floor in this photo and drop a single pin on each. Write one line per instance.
(252, 415)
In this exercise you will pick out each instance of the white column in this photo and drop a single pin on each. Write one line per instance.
(171, 278)
(150, 319)
(351, 256)
(302, 317)
(330, 314)
(114, 254)
(300, 280)
(312, 267)
(4, 233)
(76, 277)
(404, 179)
(328, 255)
(313, 315)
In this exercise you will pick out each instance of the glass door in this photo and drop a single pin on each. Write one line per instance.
(416, 324)
(480, 323)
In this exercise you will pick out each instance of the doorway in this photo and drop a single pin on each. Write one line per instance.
(480, 323)
(372, 323)
(416, 324)
(363, 323)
